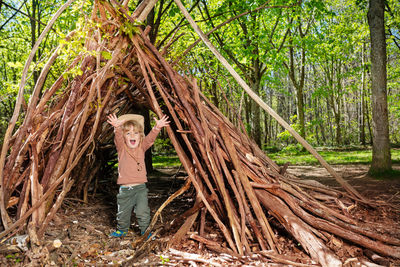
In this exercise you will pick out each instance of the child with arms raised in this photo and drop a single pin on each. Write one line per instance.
(131, 144)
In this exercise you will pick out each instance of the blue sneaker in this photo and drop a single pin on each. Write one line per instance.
(118, 233)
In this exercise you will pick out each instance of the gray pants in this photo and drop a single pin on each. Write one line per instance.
(129, 198)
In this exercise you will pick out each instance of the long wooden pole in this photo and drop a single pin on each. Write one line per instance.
(262, 104)
(143, 11)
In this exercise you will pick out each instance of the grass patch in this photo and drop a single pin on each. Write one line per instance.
(333, 157)
(295, 157)
(165, 161)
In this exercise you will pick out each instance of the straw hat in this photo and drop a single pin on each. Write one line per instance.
(133, 117)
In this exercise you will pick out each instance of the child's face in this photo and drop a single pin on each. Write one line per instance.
(132, 137)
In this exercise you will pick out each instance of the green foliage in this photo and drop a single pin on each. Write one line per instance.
(163, 146)
(166, 161)
(16, 257)
(129, 29)
(18, 35)
(293, 149)
(285, 135)
(164, 259)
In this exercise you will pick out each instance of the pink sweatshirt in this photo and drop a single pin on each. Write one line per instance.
(128, 172)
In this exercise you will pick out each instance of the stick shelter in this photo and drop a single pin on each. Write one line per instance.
(59, 146)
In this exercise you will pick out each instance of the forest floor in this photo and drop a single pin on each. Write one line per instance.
(83, 230)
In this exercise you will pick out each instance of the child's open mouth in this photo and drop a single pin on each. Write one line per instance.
(132, 141)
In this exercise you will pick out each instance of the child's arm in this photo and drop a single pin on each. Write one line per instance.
(116, 123)
(151, 137)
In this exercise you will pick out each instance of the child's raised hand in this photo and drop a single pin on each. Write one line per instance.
(162, 122)
(114, 121)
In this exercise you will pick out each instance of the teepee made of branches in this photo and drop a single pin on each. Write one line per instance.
(236, 184)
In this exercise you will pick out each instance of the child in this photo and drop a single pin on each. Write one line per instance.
(131, 145)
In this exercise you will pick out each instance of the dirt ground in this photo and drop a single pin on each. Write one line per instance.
(82, 231)
(357, 176)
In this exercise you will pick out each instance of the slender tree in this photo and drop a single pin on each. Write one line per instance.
(298, 82)
(381, 160)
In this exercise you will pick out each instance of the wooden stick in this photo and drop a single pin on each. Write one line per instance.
(193, 257)
(179, 192)
(238, 199)
(145, 10)
(208, 242)
(280, 259)
(249, 216)
(248, 189)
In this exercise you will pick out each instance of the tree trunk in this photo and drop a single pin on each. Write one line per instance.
(256, 121)
(363, 88)
(255, 86)
(247, 110)
(34, 27)
(299, 85)
(338, 110)
(381, 160)
(367, 116)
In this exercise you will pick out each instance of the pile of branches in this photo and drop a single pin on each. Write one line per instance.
(237, 185)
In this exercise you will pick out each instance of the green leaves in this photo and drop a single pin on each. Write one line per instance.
(106, 55)
(129, 29)
(17, 65)
(76, 71)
